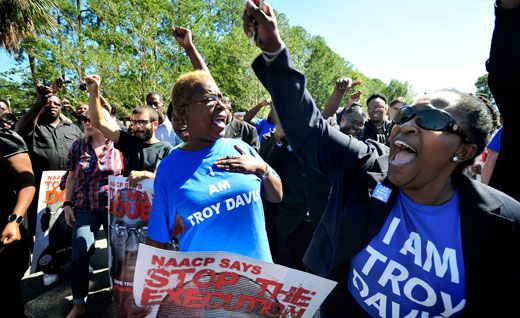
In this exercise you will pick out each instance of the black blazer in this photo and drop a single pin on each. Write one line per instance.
(490, 220)
(239, 129)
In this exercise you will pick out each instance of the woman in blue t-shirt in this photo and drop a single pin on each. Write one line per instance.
(208, 192)
(404, 233)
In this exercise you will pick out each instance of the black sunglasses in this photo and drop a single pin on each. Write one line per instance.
(431, 119)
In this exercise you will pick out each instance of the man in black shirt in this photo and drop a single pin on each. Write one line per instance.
(291, 223)
(378, 127)
(48, 139)
(141, 149)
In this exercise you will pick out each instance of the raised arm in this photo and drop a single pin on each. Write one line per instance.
(503, 67)
(248, 117)
(343, 84)
(183, 37)
(28, 121)
(97, 117)
(322, 147)
(67, 105)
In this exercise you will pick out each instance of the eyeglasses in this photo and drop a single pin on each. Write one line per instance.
(122, 233)
(141, 122)
(431, 119)
(211, 100)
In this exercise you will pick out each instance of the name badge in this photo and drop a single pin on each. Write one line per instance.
(382, 192)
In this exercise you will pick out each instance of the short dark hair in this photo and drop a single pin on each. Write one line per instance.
(61, 102)
(377, 95)
(152, 94)
(495, 115)
(478, 119)
(356, 108)
(154, 116)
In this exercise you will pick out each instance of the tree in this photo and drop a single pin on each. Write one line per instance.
(483, 89)
(396, 89)
(19, 19)
(130, 45)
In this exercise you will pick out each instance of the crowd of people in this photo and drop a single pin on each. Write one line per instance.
(376, 197)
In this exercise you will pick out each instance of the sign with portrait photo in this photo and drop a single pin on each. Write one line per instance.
(221, 284)
(128, 213)
(53, 237)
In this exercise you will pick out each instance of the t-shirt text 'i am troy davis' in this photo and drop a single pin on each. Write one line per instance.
(219, 210)
(413, 268)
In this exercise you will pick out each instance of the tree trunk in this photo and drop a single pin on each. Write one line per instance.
(80, 42)
(32, 66)
(60, 42)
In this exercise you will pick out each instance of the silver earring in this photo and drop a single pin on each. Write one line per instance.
(455, 159)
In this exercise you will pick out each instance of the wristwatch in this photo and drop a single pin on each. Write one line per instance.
(15, 218)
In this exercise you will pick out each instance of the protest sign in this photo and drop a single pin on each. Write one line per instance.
(128, 213)
(221, 284)
(53, 242)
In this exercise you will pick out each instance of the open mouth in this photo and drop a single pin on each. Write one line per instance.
(184, 131)
(220, 121)
(353, 131)
(403, 153)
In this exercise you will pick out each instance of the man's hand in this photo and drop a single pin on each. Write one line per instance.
(135, 176)
(93, 83)
(182, 36)
(11, 233)
(43, 93)
(69, 216)
(66, 103)
(269, 38)
(345, 83)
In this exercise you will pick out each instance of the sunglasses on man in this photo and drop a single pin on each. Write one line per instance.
(430, 119)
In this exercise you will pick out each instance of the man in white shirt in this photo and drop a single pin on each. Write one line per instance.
(165, 130)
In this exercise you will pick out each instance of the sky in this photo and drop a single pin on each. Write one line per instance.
(431, 44)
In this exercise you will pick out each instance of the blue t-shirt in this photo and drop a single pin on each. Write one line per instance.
(211, 209)
(263, 126)
(414, 266)
(494, 144)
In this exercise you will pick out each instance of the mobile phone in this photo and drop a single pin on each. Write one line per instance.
(83, 87)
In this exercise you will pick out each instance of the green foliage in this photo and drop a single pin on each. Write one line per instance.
(19, 19)
(483, 89)
(397, 89)
(130, 45)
